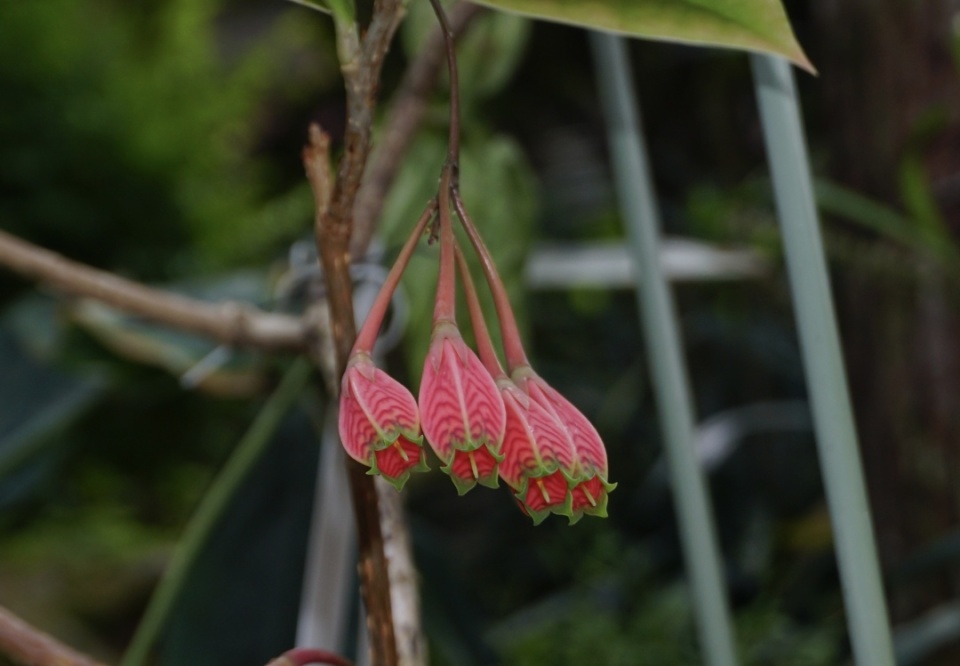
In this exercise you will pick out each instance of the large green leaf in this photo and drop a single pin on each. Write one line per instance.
(754, 25)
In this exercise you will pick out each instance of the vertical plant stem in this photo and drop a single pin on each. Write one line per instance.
(662, 336)
(211, 508)
(371, 326)
(444, 309)
(509, 331)
(384, 577)
(328, 590)
(485, 348)
(823, 361)
(407, 110)
(453, 145)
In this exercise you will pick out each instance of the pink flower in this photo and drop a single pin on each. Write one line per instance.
(379, 422)
(463, 415)
(559, 421)
(538, 457)
(590, 486)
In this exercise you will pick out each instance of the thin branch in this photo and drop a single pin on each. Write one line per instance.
(29, 646)
(406, 111)
(453, 145)
(379, 515)
(231, 323)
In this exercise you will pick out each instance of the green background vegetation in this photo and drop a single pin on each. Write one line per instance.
(160, 139)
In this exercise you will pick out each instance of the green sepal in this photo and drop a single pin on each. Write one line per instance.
(599, 510)
(386, 440)
(463, 486)
(539, 515)
(398, 481)
(491, 481)
(421, 466)
(566, 509)
(470, 445)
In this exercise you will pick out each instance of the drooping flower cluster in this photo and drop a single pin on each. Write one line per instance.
(482, 421)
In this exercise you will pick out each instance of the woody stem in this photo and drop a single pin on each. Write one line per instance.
(480, 331)
(512, 344)
(371, 326)
(445, 307)
(453, 146)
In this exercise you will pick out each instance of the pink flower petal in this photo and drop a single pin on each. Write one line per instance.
(533, 443)
(379, 421)
(395, 462)
(468, 468)
(541, 496)
(459, 403)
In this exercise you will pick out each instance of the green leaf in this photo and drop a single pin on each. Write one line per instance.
(487, 54)
(753, 25)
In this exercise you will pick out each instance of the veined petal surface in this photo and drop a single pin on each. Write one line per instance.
(462, 411)
(379, 421)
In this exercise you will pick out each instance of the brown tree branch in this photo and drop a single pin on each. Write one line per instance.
(235, 324)
(29, 646)
(404, 115)
(379, 515)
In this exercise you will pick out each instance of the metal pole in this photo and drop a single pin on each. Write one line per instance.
(823, 361)
(329, 584)
(661, 332)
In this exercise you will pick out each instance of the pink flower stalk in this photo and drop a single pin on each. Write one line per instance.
(588, 477)
(379, 420)
(538, 457)
(463, 415)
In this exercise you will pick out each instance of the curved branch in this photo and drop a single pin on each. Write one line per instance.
(29, 646)
(379, 523)
(235, 324)
(232, 323)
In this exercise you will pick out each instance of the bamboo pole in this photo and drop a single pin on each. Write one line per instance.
(662, 336)
(823, 361)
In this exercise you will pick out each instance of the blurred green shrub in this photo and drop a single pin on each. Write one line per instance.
(126, 140)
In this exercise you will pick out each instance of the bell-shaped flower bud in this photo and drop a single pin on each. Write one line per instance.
(538, 459)
(379, 422)
(463, 415)
(590, 487)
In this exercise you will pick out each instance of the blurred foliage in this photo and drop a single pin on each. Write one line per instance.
(161, 139)
(126, 139)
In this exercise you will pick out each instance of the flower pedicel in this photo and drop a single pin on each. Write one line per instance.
(588, 477)
(482, 422)
(379, 421)
(463, 415)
